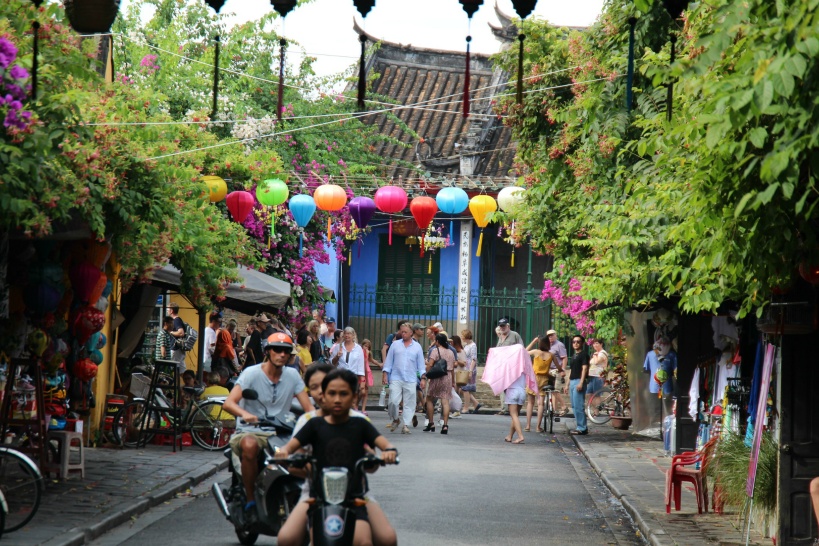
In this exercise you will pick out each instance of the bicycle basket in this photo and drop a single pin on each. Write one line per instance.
(140, 384)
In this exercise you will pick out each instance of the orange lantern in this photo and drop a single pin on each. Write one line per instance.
(481, 206)
(330, 197)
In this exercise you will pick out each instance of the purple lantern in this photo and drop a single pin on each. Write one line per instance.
(362, 210)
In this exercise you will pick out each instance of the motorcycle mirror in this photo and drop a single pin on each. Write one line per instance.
(250, 394)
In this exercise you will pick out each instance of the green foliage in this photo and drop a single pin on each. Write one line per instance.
(729, 469)
(716, 205)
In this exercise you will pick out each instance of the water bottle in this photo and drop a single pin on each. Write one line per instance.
(382, 398)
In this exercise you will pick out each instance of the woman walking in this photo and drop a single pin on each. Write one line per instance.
(598, 363)
(367, 347)
(348, 355)
(471, 365)
(316, 347)
(439, 388)
(541, 362)
(577, 383)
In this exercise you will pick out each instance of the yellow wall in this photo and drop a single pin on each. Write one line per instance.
(190, 316)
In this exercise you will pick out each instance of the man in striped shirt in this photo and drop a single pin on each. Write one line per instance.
(164, 340)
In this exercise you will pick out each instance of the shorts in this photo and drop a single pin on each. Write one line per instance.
(516, 396)
(236, 441)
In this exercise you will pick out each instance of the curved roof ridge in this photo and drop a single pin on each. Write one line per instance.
(357, 28)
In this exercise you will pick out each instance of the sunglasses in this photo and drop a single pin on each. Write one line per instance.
(578, 342)
(277, 349)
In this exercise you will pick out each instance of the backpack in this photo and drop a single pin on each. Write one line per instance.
(188, 341)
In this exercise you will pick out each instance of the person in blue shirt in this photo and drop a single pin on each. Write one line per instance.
(661, 357)
(402, 368)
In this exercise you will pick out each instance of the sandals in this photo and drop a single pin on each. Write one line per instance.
(578, 432)
(518, 441)
(479, 406)
(430, 428)
(540, 430)
(444, 429)
(527, 429)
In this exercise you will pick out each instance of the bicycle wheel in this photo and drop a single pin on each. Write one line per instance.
(3, 509)
(550, 413)
(22, 486)
(602, 405)
(211, 426)
(128, 421)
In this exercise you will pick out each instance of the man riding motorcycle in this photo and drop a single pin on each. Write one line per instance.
(276, 386)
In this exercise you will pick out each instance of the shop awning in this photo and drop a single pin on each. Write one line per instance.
(255, 292)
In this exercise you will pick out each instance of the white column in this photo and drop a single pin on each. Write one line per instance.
(464, 272)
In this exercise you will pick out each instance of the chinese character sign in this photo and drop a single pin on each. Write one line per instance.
(463, 272)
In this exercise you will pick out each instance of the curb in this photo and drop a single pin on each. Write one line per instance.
(85, 534)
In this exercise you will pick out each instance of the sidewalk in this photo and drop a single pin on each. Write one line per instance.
(633, 468)
(119, 484)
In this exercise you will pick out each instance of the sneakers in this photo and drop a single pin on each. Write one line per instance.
(405, 430)
(414, 421)
(455, 415)
(394, 425)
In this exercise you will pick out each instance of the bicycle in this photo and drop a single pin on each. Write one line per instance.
(22, 486)
(609, 402)
(209, 425)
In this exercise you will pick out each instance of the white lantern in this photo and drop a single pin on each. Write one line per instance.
(510, 197)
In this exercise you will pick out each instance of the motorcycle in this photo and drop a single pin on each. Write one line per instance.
(337, 493)
(277, 491)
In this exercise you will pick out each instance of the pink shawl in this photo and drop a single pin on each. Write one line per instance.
(504, 365)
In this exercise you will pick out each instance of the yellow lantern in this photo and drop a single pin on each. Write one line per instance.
(481, 206)
(217, 188)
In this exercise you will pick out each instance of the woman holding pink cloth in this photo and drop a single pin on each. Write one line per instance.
(509, 369)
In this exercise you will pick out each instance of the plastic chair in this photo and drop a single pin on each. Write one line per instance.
(682, 470)
(67, 439)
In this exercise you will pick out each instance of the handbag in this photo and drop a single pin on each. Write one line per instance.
(462, 377)
(439, 368)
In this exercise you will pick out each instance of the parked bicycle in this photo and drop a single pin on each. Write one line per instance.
(610, 401)
(21, 485)
(209, 425)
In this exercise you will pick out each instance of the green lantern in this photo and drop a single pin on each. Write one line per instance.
(272, 192)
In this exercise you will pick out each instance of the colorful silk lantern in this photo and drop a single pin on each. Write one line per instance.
(809, 272)
(96, 293)
(391, 200)
(239, 203)
(84, 277)
(362, 210)
(330, 197)
(87, 321)
(452, 201)
(302, 207)
(217, 187)
(510, 198)
(37, 342)
(423, 209)
(41, 298)
(272, 193)
(481, 206)
(85, 370)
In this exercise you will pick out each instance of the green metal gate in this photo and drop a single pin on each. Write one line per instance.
(375, 310)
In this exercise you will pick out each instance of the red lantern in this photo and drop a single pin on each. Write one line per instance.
(390, 199)
(240, 203)
(809, 272)
(84, 277)
(85, 370)
(423, 209)
(89, 320)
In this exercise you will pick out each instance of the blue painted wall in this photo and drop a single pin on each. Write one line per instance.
(328, 277)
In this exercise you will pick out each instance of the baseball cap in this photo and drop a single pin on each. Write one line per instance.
(438, 325)
(417, 326)
(550, 332)
(503, 322)
(329, 320)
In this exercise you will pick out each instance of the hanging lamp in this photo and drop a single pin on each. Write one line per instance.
(363, 7)
(35, 31)
(90, 16)
(523, 8)
(674, 9)
(630, 70)
(282, 7)
(470, 7)
(217, 40)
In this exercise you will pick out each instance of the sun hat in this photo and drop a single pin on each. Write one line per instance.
(551, 332)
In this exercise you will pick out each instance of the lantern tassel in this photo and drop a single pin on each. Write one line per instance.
(35, 29)
(513, 257)
(422, 244)
(362, 75)
(466, 79)
(390, 236)
(280, 103)
(350, 258)
(669, 109)
(480, 244)
(519, 97)
(301, 242)
(213, 111)
(451, 231)
(429, 268)
(329, 226)
(630, 74)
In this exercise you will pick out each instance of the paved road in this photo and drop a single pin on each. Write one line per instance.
(468, 488)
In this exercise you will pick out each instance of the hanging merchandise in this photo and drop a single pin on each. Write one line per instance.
(84, 277)
(452, 201)
(272, 193)
(423, 209)
(330, 197)
(391, 200)
(470, 7)
(42, 298)
(302, 207)
(85, 370)
(217, 187)
(87, 321)
(240, 204)
(510, 198)
(481, 206)
(523, 9)
(283, 7)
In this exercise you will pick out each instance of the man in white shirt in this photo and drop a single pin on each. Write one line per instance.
(403, 366)
(210, 340)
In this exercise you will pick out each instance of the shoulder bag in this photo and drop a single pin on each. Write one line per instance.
(439, 367)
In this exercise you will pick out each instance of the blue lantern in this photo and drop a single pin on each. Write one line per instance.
(302, 207)
(452, 201)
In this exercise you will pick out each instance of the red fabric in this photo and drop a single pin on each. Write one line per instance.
(224, 345)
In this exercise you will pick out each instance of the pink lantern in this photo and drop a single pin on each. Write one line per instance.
(390, 199)
(84, 277)
(240, 203)
(88, 321)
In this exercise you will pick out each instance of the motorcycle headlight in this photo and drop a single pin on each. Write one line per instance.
(334, 480)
